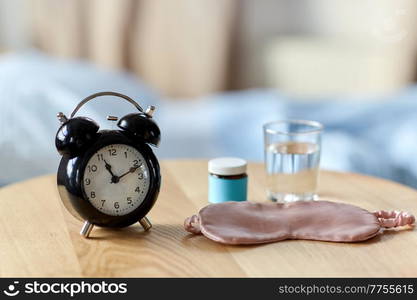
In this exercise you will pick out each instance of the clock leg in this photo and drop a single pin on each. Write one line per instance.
(146, 224)
(86, 229)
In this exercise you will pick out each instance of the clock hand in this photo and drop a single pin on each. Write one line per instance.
(131, 170)
(114, 178)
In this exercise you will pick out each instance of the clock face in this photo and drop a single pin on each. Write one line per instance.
(116, 179)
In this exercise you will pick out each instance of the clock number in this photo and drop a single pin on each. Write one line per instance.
(136, 163)
(93, 194)
(100, 157)
(116, 205)
(87, 181)
(125, 154)
(140, 176)
(92, 168)
(137, 190)
(129, 200)
(102, 202)
(112, 152)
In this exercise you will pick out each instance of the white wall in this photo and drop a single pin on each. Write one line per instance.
(343, 36)
(14, 25)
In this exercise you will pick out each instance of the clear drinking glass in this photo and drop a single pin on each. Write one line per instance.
(292, 159)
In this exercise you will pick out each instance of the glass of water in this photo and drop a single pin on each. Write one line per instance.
(292, 159)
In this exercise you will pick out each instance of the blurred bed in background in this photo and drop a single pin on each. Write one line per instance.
(366, 136)
(216, 72)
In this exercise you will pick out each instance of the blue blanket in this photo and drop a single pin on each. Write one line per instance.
(372, 136)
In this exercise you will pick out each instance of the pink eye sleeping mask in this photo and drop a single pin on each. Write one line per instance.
(236, 223)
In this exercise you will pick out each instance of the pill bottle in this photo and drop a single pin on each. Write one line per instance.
(228, 180)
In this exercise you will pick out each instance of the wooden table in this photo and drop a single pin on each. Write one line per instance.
(38, 237)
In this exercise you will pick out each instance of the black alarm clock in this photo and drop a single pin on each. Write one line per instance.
(108, 178)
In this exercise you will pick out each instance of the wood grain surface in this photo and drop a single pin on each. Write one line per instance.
(38, 237)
